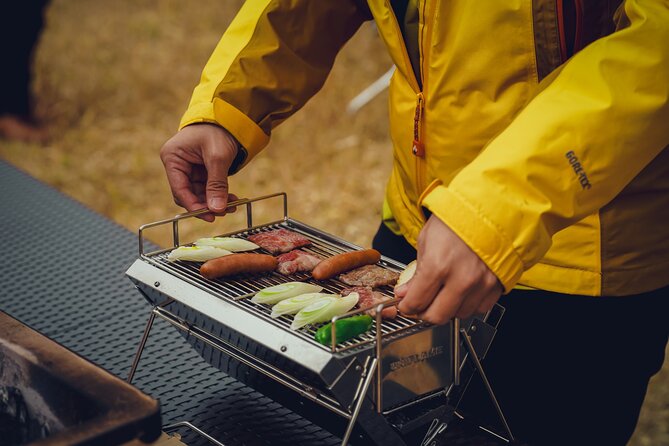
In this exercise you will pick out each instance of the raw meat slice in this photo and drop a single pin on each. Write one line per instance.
(296, 261)
(370, 297)
(279, 240)
(369, 275)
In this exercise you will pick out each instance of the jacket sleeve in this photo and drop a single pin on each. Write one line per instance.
(595, 125)
(273, 57)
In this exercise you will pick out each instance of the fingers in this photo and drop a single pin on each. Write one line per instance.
(197, 160)
(451, 302)
(489, 300)
(470, 303)
(443, 308)
(217, 190)
(232, 197)
(486, 289)
(178, 176)
(419, 291)
(187, 191)
(218, 154)
(450, 280)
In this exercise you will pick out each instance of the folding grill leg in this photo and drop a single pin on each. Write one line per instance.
(140, 349)
(173, 427)
(479, 367)
(358, 403)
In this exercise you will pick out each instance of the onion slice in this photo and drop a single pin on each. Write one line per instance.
(233, 244)
(197, 253)
(323, 310)
(407, 274)
(294, 304)
(277, 293)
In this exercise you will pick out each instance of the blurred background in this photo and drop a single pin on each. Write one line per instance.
(111, 80)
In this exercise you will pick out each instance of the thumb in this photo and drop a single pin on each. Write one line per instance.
(218, 154)
(217, 187)
(401, 290)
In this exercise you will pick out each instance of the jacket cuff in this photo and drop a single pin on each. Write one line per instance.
(249, 135)
(477, 231)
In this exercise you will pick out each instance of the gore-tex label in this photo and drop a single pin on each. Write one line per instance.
(578, 170)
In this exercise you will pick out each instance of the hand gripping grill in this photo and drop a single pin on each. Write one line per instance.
(378, 388)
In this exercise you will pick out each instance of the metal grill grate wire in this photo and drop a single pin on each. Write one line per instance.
(240, 289)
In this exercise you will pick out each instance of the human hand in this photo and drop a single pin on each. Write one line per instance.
(197, 160)
(450, 279)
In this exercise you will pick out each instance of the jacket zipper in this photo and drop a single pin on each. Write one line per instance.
(418, 146)
(561, 32)
(577, 37)
(413, 80)
(578, 34)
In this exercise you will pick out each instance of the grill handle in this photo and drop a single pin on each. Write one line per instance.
(175, 220)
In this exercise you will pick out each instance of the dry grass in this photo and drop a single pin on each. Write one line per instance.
(113, 91)
(112, 79)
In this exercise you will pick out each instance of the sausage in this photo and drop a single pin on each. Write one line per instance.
(238, 264)
(347, 261)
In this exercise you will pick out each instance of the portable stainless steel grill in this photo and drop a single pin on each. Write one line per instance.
(382, 385)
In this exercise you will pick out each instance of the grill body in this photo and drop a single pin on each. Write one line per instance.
(383, 388)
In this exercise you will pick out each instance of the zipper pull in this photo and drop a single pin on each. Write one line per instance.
(418, 148)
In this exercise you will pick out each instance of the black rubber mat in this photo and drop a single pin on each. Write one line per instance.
(62, 273)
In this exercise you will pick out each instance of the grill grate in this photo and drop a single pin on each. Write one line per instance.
(240, 289)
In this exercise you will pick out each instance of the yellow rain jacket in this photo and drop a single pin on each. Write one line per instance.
(536, 130)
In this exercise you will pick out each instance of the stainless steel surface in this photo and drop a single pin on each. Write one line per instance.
(240, 288)
(484, 378)
(176, 426)
(379, 352)
(261, 366)
(140, 348)
(368, 375)
(145, 337)
(231, 314)
(412, 361)
(416, 365)
(175, 220)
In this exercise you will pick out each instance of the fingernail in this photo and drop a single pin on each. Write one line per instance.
(402, 308)
(216, 204)
(401, 290)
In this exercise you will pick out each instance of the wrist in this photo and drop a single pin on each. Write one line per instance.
(240, 153)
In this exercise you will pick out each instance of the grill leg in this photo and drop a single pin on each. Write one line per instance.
(140, 349)
(358, 404)
(479, 367)
(174, 427)
(365, 414)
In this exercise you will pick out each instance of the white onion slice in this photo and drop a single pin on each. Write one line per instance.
(407, 274)
(197, 253)
(233, 244)
(323, 310)
(294, 304)
(277, 293)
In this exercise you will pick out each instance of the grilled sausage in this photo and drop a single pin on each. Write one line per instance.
(347, 261)
(238, 264)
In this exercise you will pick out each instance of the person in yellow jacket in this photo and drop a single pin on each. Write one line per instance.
(530, 160)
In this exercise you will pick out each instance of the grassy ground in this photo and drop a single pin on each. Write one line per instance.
(112, 79)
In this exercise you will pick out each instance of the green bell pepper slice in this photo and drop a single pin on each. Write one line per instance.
(346, 329)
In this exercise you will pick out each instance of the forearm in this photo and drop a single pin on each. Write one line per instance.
(274, 56)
